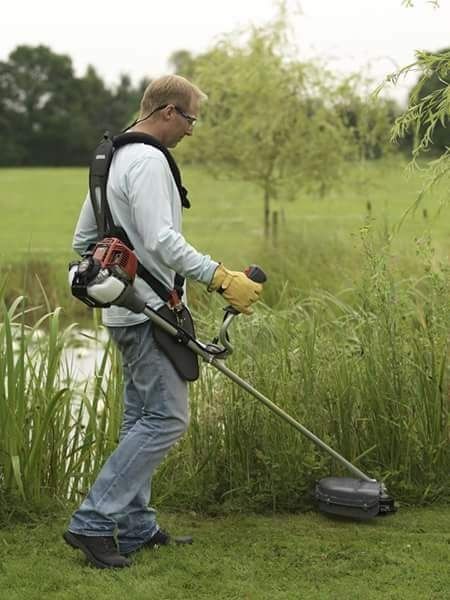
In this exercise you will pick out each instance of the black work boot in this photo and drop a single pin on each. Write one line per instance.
(160, 538)
(101, 551)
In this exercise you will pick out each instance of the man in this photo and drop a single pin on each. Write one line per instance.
(145, 201)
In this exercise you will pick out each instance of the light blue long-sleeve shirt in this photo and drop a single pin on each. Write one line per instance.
(145, 201)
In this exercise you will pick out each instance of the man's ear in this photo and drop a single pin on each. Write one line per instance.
(168, 111)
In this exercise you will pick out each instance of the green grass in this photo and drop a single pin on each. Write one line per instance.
(54, 431)
(285, 557)
(371, 380)
(40, 208)
(365, 369)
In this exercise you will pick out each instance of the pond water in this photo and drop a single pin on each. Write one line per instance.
(84, 352)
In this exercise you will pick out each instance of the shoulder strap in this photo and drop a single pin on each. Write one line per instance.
(98, 177)
(132, 137)
(157, 286)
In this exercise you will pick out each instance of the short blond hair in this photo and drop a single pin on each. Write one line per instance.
(170, 89)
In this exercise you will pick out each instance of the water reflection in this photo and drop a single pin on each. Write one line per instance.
(84, 352)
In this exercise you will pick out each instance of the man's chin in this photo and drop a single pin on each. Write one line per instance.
(175, 143)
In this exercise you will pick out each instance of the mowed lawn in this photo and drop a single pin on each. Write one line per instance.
(281, 557)
(40, 207)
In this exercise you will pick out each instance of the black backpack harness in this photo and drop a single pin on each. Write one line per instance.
(173, 310)
(98, 180)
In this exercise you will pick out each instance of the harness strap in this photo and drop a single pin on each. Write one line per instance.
(157, 286)
(98, 179)
(131, 137)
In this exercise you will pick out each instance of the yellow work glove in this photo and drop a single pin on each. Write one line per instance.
(236, 288)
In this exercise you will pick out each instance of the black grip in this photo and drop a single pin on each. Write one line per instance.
(256, 274)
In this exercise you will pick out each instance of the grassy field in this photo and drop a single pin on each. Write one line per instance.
(286, 557)
(353, 340)
(40, 208)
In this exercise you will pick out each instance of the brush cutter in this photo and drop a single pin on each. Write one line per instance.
(105, 277)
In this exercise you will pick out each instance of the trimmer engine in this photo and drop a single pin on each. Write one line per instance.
(113, 254)
(103, 274)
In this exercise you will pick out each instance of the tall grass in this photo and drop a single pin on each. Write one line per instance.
(54, 435)
(367, 370)
(370, 377)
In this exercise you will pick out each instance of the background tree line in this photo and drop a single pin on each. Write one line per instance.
(48, 116)
(51, 117)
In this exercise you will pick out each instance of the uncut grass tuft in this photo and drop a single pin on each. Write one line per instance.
(369, 377)
(54, 434)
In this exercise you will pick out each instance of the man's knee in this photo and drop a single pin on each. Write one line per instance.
(180, 423)
(172, 425)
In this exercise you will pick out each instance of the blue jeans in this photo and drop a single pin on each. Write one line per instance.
(155, 417)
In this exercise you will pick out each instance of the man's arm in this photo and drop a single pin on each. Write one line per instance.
(151, 212)
(150, 194)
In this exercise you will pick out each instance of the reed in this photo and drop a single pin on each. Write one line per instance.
(367, 370)
(54, 436)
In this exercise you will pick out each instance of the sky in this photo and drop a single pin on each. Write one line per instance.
(137, 37)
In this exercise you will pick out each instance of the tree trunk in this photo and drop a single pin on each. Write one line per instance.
(275, 227)
(266, 213)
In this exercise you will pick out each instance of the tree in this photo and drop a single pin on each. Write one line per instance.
(11, 149)
(431, 88)
(426, 111)
(102, 109)
(269, 119)
(92, 114)
(50, 117)
(37, 93)
(182, 62)
(125, 102)
(368, 118)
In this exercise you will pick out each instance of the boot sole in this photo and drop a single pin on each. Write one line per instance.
(73, 542)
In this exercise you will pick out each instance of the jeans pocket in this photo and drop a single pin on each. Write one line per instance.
(129, 341)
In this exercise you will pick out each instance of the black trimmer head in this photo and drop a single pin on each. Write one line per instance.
(353, 498)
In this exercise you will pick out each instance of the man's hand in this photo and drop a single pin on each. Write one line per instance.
(236, 288)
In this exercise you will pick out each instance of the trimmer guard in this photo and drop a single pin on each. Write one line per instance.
(348, 497)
